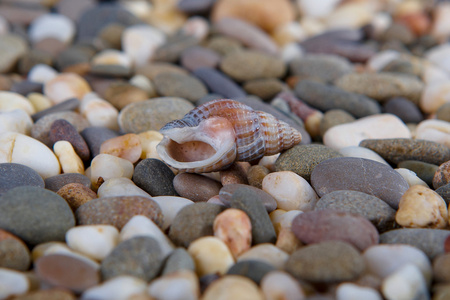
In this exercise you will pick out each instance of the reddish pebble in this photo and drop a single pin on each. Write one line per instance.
(127, 146)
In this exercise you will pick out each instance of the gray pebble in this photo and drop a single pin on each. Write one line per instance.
(444, 192)
(265, 89)
(196, 187)
(334, 117)
(172, 49)
(219, 83)
(154, 177)
(423, 170)
(178, 260)
(322, 67)
(179, 85)
(197, 57)
(252, 269)
(67, 105)
(14, 254)
(95, 136)
(13, 175)
(403, 108)
(226, 194)
(56, 182)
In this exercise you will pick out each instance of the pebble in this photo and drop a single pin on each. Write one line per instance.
(321, 67)
(152, 114)
(442, 175)
(334, 117)
(224, 45)
(12, 48)
(95, 136)
(180, 285)
(55, 26)
(171, 50)
(144, 84)
(14, 283)
(266, 89)
(267, 253)
(440, 268)
(121, 94)
(76, 194)
(204, 187)
(139, 257)
(154, 177)
(434, 96)
(178, 260)
(326, 97)
(256, 174)
(444, 192)
(350, 291)
(253, 269)
(67, 105)
(149, 140)
(234, 228)
(211, 256)
(55, 183)
(99, 113)
(179, 85)
(443, 112)
(407, 282)
(69, 160)
(196, 57)
(120, 186)
(233, 287)
(192, 222)
(281, 285)
(170, 206)
(151, 69)
(282, 219)
(126, 146)
(236, 173)
(61, 130)
(13, 175)
(411, 177)
(263, 197)
(363, 175)
(117, 211)
(50, 294)
(396, 150)
(65, 86)
(105, 166)
(11, 101)
(372, 208)
(403, 108)
(14, 254)
(326, 262)
(16, 120)
(362, 152)
(39, 102)
(120, 287)
(219, 83)
(434, 130)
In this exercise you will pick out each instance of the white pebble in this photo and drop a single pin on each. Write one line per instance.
(267, 253)
(269, 162)
(351, 291)
(21, 149)
(439, 56)
(181, 285)
(434, 96)
(197, 27)
(120, 186)
(120, 287)
(94, 241)
(41, 73)
(317, 8)
(99, 112)
(232, 287)
(16, 120)
(56, 26)
(432, 74)
(362, 152)
(411, 177)
(280, 285)
(68, 158)
(109, 166)
(291, 51)
(149, 140)
(65, 86)
(290, 191)
(170, 206)
(12, 283)
(11, 101)
(434, 130)
(142, 226)
(405, 283)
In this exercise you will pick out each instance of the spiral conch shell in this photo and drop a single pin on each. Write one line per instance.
(214, 135)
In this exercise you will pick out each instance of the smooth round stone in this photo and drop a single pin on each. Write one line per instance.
(192, 222)
(233, 287)
(256, 174)
(10, 101)
(14, 283)
(281, 285)
(171, 50)
(424, 171)
(265, 89)
(127, 146)
(177, 261)
(170, 206)
(326, 262)
(144, 84)
(111, 63)
(334, 117)
(120, 94)
(407, 282)
(95, 136)
(35, 215)
(105, 166)
(267, 253)
(211, 255)
(53, 25)
(151, 69)
(434, 130)
(325, 225)
(14, 254)
(65, 86)
(197, 57)
(140, 42)
(179, 85)
(441, 267)
(253, 269)
(68, 159)
(13, 175)
(219, 83)
(359, 174)
(403, 108)
(301, 195)
(262, 228)
(362, 152)
(180, 285)
(152, 114)
(154, 177)
(117, 211)
(326, 97)
(430, 241)
(265, 198)
(120, 287)
(443, 113)
(76, 194)
(400, 149)
(302, 159)
(55, 183)
(67, 105)
(196, 187)
(370, 207)
(67, 272)
(139, 257)
(321, 67)
(99, 113)
(120, 186)
(12, 48)
(347, 291)
(62, 130)
(434, 96)
(444, 192)
(16, 120)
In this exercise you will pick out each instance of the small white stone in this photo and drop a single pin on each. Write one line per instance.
(170, 206)
(144, 83)
(291, 51)
(380, 126)
(180, 285)
(406, 283)
(68, 158)
(111, 57)
(280, 285)
(432, 74)
(434, 96)
(290, 191)
(362, 152)
(439, 56)
(317, 8)
(381, 21)
(140, 42)
(16, 120)
(110, 166)
(142, 226)
(351, 291)
(434, 130)
(267, 253)
(149, 140)
(120, 287)
(12, 283)
(41, 73)
(211, 255)
(197, 27)
(94, 241)
(120, 186)
(411, 177)
(11, 101)
(56, 26)
(441, 21)
(350, 15)
(99, 112)
(21, 149)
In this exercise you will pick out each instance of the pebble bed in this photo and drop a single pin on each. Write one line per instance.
(357, 210)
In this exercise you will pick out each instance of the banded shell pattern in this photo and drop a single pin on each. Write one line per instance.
(214, 135)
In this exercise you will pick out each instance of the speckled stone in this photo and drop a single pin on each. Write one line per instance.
(334, 117)
(327, 262)
(262, 227)
(196, 187)
(403, 108)
(444, 192)
(219, 83)
(152, 114)
(265, 89)
(359, 174)
(67, 105)
(117, 211)
(321, 67)
(442, 175)
(55, 183)
(14, 254)
(370, 207)
(226, 195)
(178, 260)
(95, 136)
(197, 57)
(179, 85)
(154, 177)
(121, 94)
(35, 215)
(61, 130)
(423, 170)
(13, 175)
(253, 269)
(171, 50)
(76, 194)
(302, 159)
(256, 174)
(139, 257)
(430, 241)
(192, 222)
(398, 150)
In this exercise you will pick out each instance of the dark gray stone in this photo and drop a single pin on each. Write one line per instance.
(154, 177)
(444, 192)
(252, 269)
(227, 191)
(13, 175)
(323, 67)
(178, 260)
(67, 105)
(403, 108)
(56, 182)
(179, 85)
(196, 187)
(95, 136)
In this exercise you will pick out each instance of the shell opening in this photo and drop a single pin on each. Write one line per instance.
(190, 151)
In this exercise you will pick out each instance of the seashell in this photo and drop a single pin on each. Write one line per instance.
(214, 135)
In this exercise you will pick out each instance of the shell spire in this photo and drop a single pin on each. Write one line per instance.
(214, 135)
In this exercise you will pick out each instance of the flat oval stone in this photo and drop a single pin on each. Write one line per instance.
(267, 253)
(444, 192)
(13, 175)
(170, 206)
(67, 105)
(265, 88)
(196, 187)
(154, 177)
(266, 199)
(120, 94)
(253, 269)
(219, 83)
(35, 215)
(359, 174)
(179, 85)
(14, 254)
(95, 136)
(55, 183)
(61, 130)
(403, 108)
(16, 283)
(323, 67)
(370, 207)
(16, 120)
(197, 57)
(117, 211)
(325, 225)
(178, 260)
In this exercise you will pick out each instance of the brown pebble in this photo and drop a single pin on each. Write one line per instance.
(121, 94)
(61, 130)
(76, 194)
(195, 187)
(442, 175)
(236, 173)
(256, 174)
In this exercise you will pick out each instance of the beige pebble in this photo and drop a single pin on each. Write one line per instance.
(111, 57)
(234, 228)
(149, 140)
(211, 255)
(434, 130)
(12, 283)
(68, 158)
(99, 112)
(434, 96)
(411, 177)
(421, 207)
(267, 253)
(11, 101)
(16, 120)
(41, 73)
(283, 219)
(120, 186)
(105, 166)
(290, 191)
(277, 285)
(126, 146)
(120, 287)
(41, 249)
(145, 84)
(182, 284)
(256, 174)
(170, 206)
(94, 241)
(232, 287)
(289, 33)
(65, 86)
(350, 15)
(351, 291)
(76, 194)
(39, 101)
(287, 241)
(21, 149)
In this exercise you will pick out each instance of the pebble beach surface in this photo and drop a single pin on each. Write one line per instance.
(357, 210)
